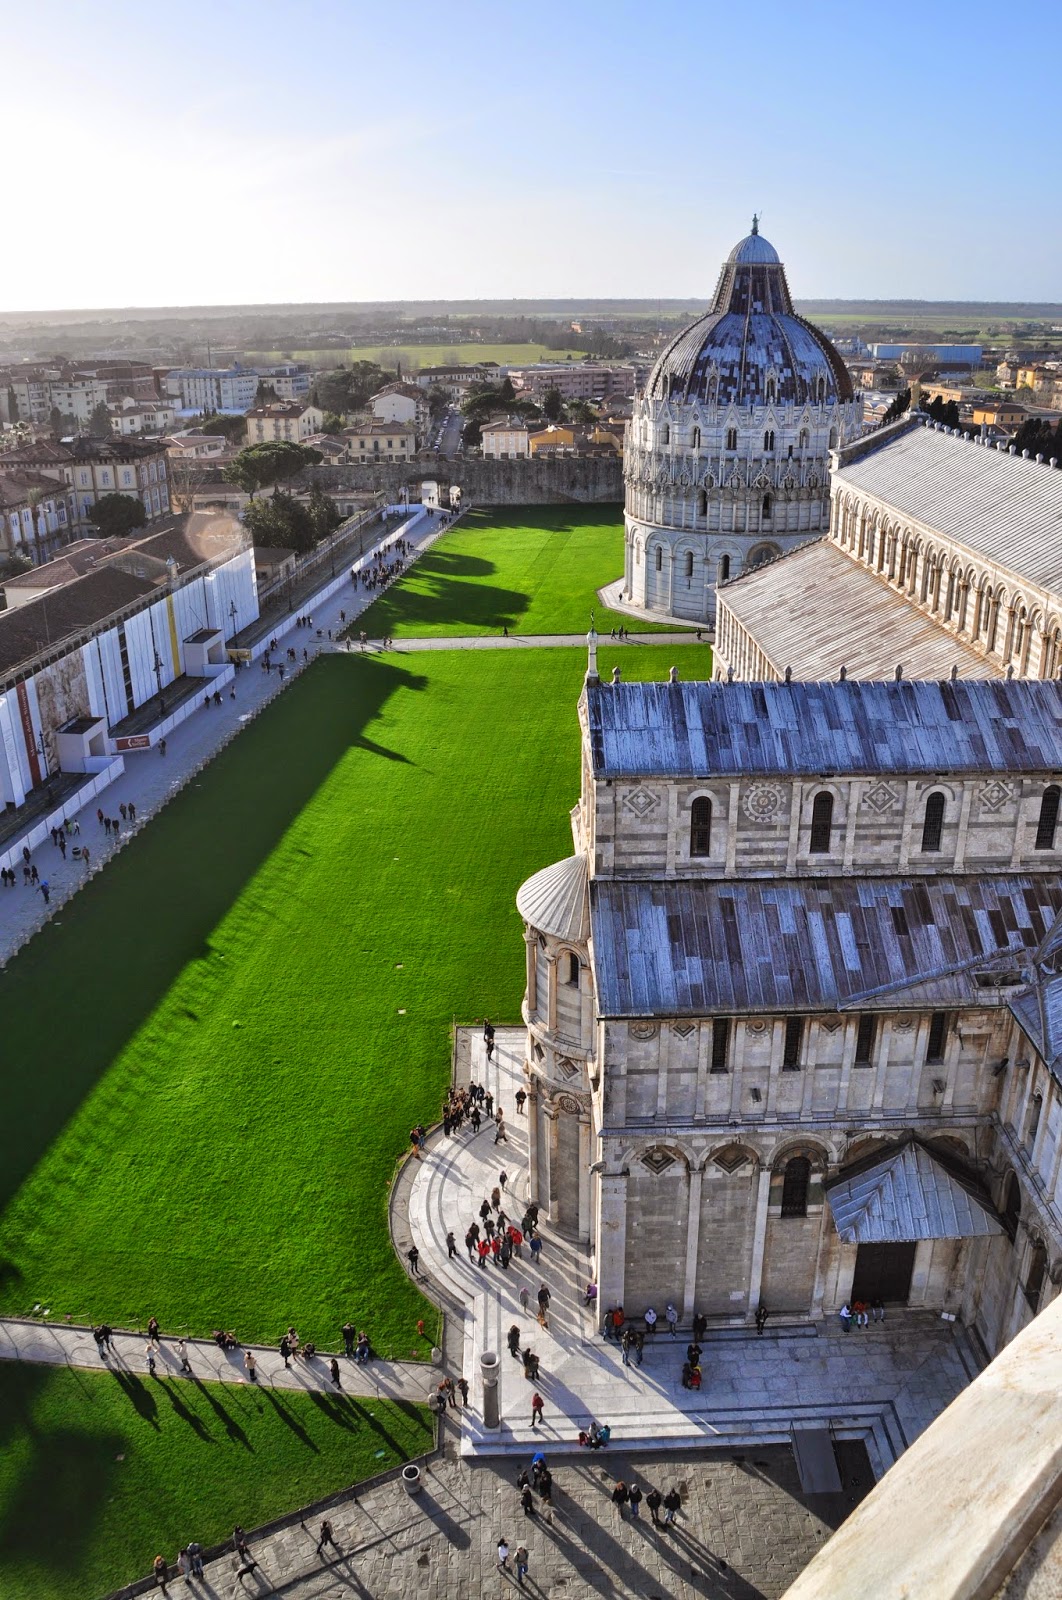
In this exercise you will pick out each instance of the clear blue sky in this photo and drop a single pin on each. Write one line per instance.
(230, 152)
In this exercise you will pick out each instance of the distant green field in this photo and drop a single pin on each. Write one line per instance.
(531, 569)
(415, 356)
(102, 1471)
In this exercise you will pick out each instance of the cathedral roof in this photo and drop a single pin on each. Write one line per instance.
(751, 336)
(703, 730)
(682, 947)
(554, 900)
(987, 501)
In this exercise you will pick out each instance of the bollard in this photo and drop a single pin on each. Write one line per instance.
(411, 1479)
(489, 1364)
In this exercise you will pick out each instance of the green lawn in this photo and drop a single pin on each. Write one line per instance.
(415, 356)
(214, 1056)
(100, 1473)
(534, 569)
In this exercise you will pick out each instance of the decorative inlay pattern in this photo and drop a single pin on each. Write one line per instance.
(881, 798)
(658, 1161)
(995, 795)
(643, 1030)
(641, 801)
(683, 1029)
(731, 1160)
(763, 801)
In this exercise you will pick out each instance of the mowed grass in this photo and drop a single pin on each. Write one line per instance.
(532, 569)
(99, 1473)
(213, 1058)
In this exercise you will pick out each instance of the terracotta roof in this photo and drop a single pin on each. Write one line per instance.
(29, 629)
(15, 486)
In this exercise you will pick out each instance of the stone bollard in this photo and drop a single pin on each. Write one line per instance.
(411, 1479)
(489, 1364)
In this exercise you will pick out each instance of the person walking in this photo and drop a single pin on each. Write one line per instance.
(326, 1537)
(451, 1246)
(671, 1317)
(537, 1411)
(521, 1101)
(522, 1563)
(182, 1351)
(525, 1297)
(503, 1554)
(635, 1498)
(160, 1572)
(654, 1500)
(527, 1501)
(153, 1331)
(513, 1339)
(499, 1128)
(285, 1350)
(349, 1336)
(620, 1497)
(333, 1367)
(195, 1555)
(627, 1342)
(535, 1246)
(150, 1352)
(413, 1257)
(462, 1384)
(543, 1306)
(761, 1317)
(251, 1365)
(650, 1321)
(672, 1502)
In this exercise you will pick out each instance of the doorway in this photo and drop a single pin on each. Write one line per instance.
(883, 1272)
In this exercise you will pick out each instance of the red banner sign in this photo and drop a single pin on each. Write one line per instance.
(133, 741)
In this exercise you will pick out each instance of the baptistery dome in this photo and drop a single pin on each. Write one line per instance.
(727, 452)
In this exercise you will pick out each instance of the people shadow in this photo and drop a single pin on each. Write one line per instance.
(451, 1530)
(136, 1391)
(290, 1420)
(172, 1392)
(228, 1422)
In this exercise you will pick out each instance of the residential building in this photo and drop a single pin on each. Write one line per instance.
(791, 1003)
(132, 467)
(575, 380)
(130, 417)
(505, 439)
(554, 439)
(1007, 373)
(195, 444)
(924, 356)
(293, 421)
(381, 441)
(37, 513)
(401, 402)
(998, 413)
(289, 381)
(456, 380)
(26, 393)
(221, 389)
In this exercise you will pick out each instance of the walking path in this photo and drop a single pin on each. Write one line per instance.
(884, 1385)
(529, 641)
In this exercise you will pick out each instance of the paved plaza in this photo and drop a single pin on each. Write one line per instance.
(883, 1385)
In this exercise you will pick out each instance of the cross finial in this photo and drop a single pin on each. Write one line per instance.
(755, 222)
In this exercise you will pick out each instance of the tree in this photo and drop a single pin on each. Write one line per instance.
(1040, 439)
(553, 405)
(323, 514)
(506, 392)
(265, 394)
(581, 411)
(899, 406)
(99, 424)
(331, 423)
(263, 464)
(349, 388)
(216, 422)
(438, 401)
(115, 515)
(281, 521)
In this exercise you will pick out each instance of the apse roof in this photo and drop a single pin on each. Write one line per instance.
(554, 900)
(681, 947)
(908, 1193)
(680, 730)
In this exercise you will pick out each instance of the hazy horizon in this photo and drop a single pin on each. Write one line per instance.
(252, 156)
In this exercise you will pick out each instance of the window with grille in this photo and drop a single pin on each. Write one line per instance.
(724, 568)
(768, 440)
(795, 1182)
(933, 822)
(659, 558)
(766, 508)
(701, 827)
(1045, 828)
(865, 1041)
(721, 1044)
(938, 1029)
(821, 823)
(695, 439)
(731, 438)
(573, 970)
(794, 1034)
(689, 564)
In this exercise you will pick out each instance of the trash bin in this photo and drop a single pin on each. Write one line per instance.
(411, 1479)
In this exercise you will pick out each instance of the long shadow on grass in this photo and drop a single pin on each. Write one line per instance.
(355, 1415)
(75, 996)
(227, 1420)
(197, 1425)
(288, 1417)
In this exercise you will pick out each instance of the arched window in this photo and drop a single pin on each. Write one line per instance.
(795, 1182)
(833, 438)
(695, 439)
(766, 508)
(803, 438)
(701, 827)
(731, 438)
(665, 434)
(689, 564)
(770, 391)
(1034, 1274)
(1045, 828)
(572, 973)
(724, 568)
(933, 822)
(659, 557)
(821, 823)
(820, 390)
(702, 502)
(768, 440)
(1012, 1206)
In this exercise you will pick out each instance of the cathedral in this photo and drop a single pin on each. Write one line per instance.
(726, 462)
(794, 1004)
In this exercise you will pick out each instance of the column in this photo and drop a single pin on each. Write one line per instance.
(531, 943)
(532, 1138)
(693, 1234)
(964, 825)
(759, 1238)
(611, 1239)
(585, 1158)
(551, 991)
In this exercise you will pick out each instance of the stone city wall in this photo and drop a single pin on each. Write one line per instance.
(540, 481)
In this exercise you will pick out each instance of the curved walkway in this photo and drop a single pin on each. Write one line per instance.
(883, 1385)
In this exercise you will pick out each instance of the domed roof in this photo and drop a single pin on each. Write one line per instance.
(554, 900)
(750, 335)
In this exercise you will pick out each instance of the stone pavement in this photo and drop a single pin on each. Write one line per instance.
(150, 780)
(610, 597)
(744, 1531)
(59, 1344)
(531, 641)
(884, 1384)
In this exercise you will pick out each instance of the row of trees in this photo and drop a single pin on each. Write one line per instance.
(486, 400)
(281, 519)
